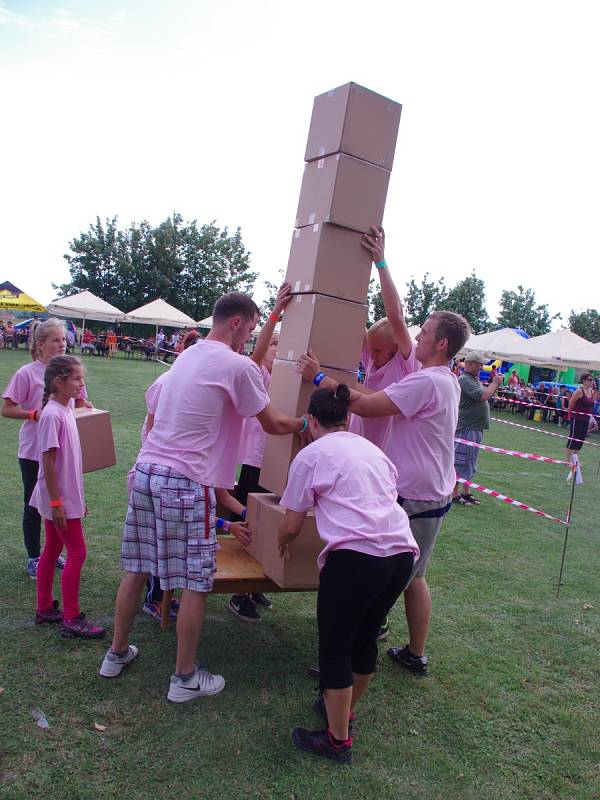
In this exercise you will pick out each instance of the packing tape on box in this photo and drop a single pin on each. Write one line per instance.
(311, 218)
(296, 287)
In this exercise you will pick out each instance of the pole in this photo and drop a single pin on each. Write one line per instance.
(569, 512)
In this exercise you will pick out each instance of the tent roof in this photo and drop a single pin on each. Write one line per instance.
(159, 312)
(85, 304)
(586, 357)
(489, 344)
(547, 350)
(12, 298)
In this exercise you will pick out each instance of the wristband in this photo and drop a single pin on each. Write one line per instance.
(31, 413)
(220, 523)
(226, 525)
(55, 503)
(304, 425)
(318, 378)
(243, 514)
(273, 317)
(381, 264)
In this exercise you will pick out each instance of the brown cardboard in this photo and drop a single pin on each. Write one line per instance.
(299, 571)
(342, 190)
(333, 329)
(96, 437)
(279, 453)
(329, 260)
(354, 120)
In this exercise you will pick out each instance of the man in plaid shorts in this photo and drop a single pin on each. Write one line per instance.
(192, 447)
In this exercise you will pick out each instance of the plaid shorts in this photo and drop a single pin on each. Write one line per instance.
(170, 529)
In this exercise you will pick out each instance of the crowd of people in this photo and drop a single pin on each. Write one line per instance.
(378, 465)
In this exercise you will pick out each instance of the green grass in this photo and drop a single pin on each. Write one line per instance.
(509, 709)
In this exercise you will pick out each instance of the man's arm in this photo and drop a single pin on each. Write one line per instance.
(289, 527)
(491, 389)
(308, 365)
(377, 404)
(276, 423)
(284, 295)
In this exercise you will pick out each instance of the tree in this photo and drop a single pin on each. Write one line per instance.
(421, 300)
(468, 298)
(188, 266)
(586, 324)
(519, 310)
(375, 302)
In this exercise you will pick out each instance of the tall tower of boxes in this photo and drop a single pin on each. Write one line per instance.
(349, 157)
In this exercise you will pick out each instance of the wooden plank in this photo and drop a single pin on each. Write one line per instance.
(238, 573)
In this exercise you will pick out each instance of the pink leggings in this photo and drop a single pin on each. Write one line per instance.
(72, 539)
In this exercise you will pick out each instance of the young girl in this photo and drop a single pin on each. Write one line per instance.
(365, 564)
(58, 496)
(23, 401)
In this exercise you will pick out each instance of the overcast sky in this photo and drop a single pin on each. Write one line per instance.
(141, 108)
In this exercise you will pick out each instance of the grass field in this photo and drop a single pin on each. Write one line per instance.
(508, 710)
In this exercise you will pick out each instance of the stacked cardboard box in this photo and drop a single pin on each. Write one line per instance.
(349, 156)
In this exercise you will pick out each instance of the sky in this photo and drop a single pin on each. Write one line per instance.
(138, 109)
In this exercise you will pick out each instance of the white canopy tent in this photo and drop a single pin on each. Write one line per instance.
(586, 357)
(160, 313)
(85, 305)
(548, 350)
(491, 343)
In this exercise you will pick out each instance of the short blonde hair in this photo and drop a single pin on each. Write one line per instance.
(383, 327)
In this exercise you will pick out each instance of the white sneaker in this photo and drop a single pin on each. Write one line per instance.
(201, 684)
(61, 562)
(113, 665)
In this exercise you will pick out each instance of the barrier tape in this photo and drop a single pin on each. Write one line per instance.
(510, 501)
(547, 433)
(532, 456)
(529, 404)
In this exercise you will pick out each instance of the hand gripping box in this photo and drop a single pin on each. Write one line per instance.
(327, 259)
(356, 121)
(298, 570)
(96, 437)
(343, 190)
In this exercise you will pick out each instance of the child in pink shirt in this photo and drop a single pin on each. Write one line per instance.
(58, 496)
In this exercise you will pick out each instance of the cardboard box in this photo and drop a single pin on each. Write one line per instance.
(342, 190)
(96, 437)
(327, 259)
(299, 571)
(334, 329)
(279, 453)
(356, 121)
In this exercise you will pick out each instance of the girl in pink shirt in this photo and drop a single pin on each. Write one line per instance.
(58, 496)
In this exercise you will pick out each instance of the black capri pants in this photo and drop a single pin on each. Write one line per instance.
(356, 591)
(578, 430)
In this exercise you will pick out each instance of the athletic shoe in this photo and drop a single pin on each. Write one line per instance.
(61, 562)
(113, 665)
(459, 500)
(155, 611)
(384, 630)
(260, 599)
(470, 500)
(321, 744)
(32, 568)
(244, 608)
(314, 672)
(81, 627)
(321, 709)
(201, 684)
(403, 656)
(53, 614)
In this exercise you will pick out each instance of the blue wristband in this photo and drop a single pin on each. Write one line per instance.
(244, 512)
(381, 264)
(220, 522)
(304, 425)
(318, 378)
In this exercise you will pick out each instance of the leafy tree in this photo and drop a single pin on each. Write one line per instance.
(468, 298)
(272, 288)
(519, 310)
(586, 324)
(375, 302)
(187, 265)
(421, 300)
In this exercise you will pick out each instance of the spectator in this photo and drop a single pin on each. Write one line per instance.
(87, 342)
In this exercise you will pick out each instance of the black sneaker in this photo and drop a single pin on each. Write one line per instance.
(384, 630)
(260, 599)
(321, 744)
(321, 710)
(406, 659)
(244, 608)
(314, 672)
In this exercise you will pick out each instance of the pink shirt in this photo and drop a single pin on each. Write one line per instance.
(422, 447)
(57, 428)
(26, 388)
(352, 486)
(252, 444)
(151, 397)
(198, 420)
(379, 429)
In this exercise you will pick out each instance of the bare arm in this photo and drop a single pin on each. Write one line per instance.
(491, 389)
(240, 530)
(48, 461)
(289, 527)
(12, 410)
(574, 398)
(377, 404)
(149, 422)
(266, 332)
(276, 423)
(309, 366)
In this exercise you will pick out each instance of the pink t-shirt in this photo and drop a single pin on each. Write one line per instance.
(151, 397)
(198, 420)
(26, 388)
(57, 428)
(422, 447)
(352, 486)
(252, 444)
(379, 429)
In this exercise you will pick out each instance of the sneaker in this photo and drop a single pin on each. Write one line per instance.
(321, 744)
(32, 567)
(201, 684)
(260, 599)
(113, 665)
(61, 562)
(314, 672)
(81, 627)
(155, 611)
(403, 656)
(470, 500)
(459, 500)
(321, 709)
(384, 630)
(53, 614)
(244, 608)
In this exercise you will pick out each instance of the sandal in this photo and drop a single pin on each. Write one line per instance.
(471, 501)
(459, 500)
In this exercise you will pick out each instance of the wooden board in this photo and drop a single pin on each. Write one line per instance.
(238, 572)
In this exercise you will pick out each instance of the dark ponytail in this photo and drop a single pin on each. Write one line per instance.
(329, 407)
(57, 367)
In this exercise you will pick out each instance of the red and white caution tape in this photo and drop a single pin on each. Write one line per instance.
(532, 456)
(540, 430)
(529, 404)
(510, 500)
